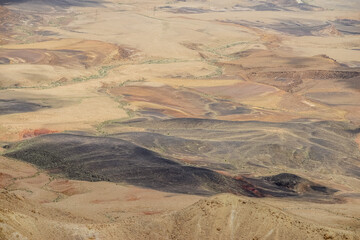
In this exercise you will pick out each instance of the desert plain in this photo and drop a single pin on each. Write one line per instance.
(179, 119)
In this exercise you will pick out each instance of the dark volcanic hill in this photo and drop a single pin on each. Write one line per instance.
(93, 158)
(109, 159)
(326, 146)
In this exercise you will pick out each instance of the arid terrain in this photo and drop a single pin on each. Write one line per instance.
(180, 119)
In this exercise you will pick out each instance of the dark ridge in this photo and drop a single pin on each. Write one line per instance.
(355, 131)
(319, 189)
(298, 184)
(348, 26)
(46, 33)
(6, 146)
(224, 109)
(92, 158)
(9, 2)
(57, 3)
(349, 32)
(16, 106)
(302, 144)
(283, 5)
(310, 74)
(353, 83)
(291, 27)
(308, 7)
(347, 22)
(109, 159)
(286, 184)
(286, 180)
(4, 60)
(152, 113)
(268, 7)
(187, 10)
(298, 29)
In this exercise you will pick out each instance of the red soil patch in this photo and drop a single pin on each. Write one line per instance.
(23, 55)
(98, 201)
(239, 178)
(85, 53)
(168, 112)
(5, 180)
(357, 140)
(191, 159)
(29, 133)
(65, 187)
(223, 173)
(132, 198)
(239, 91)
(151, 212)
(182, 103)
(246, 185)
(252, 189)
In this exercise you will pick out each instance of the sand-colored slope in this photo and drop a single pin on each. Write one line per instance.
(220, 217)
(230, 217)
